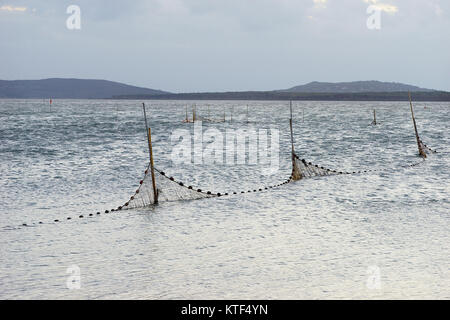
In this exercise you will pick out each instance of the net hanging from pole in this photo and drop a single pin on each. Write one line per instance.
(167, 190)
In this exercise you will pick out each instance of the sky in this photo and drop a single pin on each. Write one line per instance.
(228, 45)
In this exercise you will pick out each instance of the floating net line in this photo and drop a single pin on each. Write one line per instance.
(303, 169)
(169, 189)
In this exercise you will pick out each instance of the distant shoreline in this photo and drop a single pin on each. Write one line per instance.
(435, 96)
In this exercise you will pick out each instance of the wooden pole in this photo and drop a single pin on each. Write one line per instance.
(421, 152)
(296, 175)
(374, 117)
(292, 133)
(152, 168)
(150, 150)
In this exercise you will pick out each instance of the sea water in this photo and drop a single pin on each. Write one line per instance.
(365, 236)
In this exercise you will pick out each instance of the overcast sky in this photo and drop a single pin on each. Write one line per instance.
(220, 45)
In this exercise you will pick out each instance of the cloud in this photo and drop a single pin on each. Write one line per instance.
(438, 10)
(11, 9)
(320, 4)
(388, 8)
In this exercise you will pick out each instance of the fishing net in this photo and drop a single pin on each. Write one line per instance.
(303, 169)
(425, 148)
(197, 117)
(167, 189)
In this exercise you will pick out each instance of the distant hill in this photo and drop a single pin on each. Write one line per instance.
(280, 96)
(57, 88)
(354, 87)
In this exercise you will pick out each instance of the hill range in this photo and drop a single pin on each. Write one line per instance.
(58, 88)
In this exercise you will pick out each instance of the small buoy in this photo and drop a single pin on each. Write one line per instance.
(209, 192)
(199, 190)
(90, 214)
(81, 216)
(56, 220)
(106, 211)
(162, 172)
(181, 183)
(171, 178)
(218, 194)
(141, 182)
(68, 218)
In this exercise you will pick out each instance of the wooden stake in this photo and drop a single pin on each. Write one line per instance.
(421, 152)
(150, 150)
(152, 168)
(296, 175)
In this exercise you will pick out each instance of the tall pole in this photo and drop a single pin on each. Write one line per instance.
(421, 152)
(292, 133)
(374, 117)
(296, 175)
(150, 150)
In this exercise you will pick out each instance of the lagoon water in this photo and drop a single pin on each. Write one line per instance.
(379, 235)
